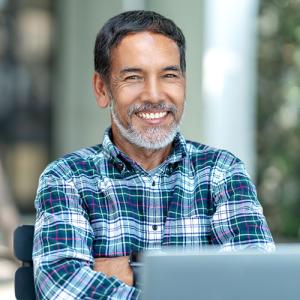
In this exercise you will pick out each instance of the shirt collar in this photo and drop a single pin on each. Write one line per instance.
(109, 148)
(179, 150)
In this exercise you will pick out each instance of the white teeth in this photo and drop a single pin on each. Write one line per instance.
(149, 116)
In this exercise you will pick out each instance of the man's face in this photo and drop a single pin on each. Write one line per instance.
(147, 89)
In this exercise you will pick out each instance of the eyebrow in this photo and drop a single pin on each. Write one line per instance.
(131, 70)
(175, 68)
(172, 68)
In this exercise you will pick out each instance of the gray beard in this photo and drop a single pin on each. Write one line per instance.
(153, 139)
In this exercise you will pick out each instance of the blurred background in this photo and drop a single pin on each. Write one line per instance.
(243, 70)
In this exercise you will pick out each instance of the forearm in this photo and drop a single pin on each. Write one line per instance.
(241, 229)
(63, 247)
(238, 221)
(74, 279)
(115, 266)
(64, 265)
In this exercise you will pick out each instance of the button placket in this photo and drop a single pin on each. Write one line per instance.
(155, 225)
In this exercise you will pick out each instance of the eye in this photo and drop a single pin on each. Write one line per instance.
(171, 75)
(132, 78)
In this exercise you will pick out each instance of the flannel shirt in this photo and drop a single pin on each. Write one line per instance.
(97, 202)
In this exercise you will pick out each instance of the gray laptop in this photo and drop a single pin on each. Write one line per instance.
(212, 275)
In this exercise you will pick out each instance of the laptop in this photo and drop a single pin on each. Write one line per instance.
(212, 275)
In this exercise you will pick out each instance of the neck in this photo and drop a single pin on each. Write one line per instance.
(147, 158)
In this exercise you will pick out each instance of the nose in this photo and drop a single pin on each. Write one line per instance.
(152, 90)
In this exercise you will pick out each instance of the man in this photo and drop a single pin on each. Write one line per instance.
(145, 186)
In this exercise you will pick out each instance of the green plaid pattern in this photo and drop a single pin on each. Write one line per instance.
(98, 202)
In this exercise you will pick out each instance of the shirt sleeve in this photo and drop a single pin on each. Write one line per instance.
(238, 221)
(62, 252)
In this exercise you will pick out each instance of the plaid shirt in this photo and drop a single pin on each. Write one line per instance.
(98, 202)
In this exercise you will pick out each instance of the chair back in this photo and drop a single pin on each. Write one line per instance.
(23, 243)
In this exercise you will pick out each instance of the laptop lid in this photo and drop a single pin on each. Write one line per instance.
(213, 275)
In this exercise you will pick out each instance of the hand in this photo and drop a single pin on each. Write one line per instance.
(115, 266)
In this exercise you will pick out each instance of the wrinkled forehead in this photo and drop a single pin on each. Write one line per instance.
(145, 49)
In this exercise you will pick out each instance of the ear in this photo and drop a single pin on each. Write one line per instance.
(100, 90)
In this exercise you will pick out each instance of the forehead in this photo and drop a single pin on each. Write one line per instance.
(145, 49)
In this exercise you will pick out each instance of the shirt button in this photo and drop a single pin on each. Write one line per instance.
(169, 169)
(154, 227)
(121, 167)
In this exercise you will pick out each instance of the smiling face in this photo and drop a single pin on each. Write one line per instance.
(146, 90)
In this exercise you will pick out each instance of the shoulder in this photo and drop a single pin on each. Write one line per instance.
(219, 165)
(206, 156)
(76, 162)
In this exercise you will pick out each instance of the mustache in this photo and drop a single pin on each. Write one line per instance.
(136, 108)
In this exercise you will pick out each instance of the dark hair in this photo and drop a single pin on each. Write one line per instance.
(116, 28)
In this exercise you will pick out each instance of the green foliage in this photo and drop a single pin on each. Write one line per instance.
(278, 121)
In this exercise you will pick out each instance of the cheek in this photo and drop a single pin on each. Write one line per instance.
(121, 110)
(179, 102)
(178, 97)
(128, 93)
(176, 91)
(126, 98)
